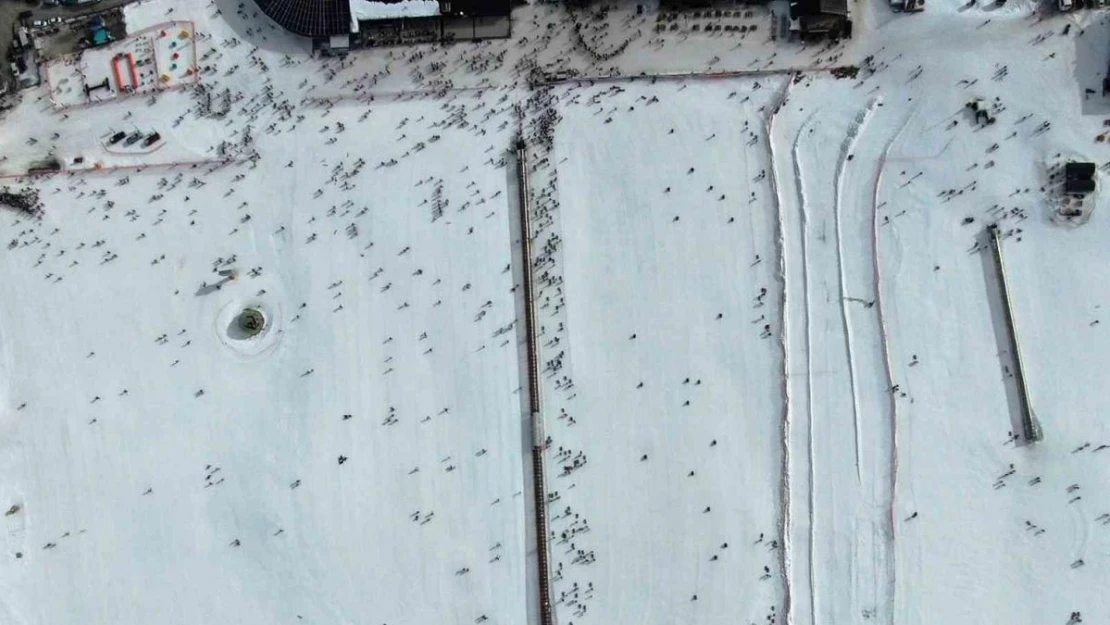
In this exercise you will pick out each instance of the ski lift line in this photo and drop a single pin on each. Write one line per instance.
(539, 482)
(124, 168)
(740, 73)
(529, 313)
(369, 97)
(1030, 431)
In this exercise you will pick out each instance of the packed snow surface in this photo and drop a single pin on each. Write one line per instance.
(775, 381)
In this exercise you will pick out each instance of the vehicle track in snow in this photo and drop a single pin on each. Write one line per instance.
(860, 123)
(854, 201)
(884, 343)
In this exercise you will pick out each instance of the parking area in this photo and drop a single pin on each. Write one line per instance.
(61, 35)
(61, 28)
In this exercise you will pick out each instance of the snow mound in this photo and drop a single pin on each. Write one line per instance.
(244, 344)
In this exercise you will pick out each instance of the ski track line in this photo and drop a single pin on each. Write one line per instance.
(780, 249)
(885, 344)
(925, 157)
(809, 342)
(846, 148)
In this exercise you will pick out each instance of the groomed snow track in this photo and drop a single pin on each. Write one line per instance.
(781, 277)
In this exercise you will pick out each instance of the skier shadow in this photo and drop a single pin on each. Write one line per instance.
(208, 289)
(1006, 357)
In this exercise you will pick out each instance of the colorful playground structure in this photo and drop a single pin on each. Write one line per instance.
(159, 58)
(134, 83)
(182, 42)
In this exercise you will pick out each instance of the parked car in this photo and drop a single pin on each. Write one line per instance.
(151, 140)
(54, 20)
(133, 137)
(116, 138)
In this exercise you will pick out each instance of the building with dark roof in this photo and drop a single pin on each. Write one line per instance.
(820, 18)
(476, 8)
(400, 22)
(310, 18)
(1079, 186)
(1074, 171)
(337, 25)
(1079, 178)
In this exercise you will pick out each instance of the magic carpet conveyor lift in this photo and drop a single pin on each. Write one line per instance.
(1031, 430)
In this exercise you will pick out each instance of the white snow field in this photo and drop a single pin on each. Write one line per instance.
(665, 386)
(920, 507)
(359, 462)
(807, 251)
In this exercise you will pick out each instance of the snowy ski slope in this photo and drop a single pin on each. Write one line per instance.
(807, 251)
(153, 440)
(667, 378)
